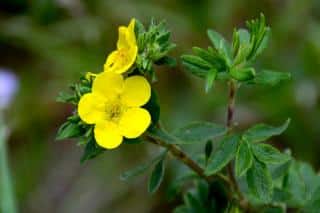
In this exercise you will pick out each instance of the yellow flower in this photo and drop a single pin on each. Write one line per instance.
(121, 60)
(114, 107)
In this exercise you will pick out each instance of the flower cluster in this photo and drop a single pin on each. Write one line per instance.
(117, 105)
(114, 103)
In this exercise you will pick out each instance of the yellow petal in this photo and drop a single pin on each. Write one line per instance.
(134, 122)
(123, 41)
(91, 108)
(127, 37)
(136, 92)
(121, 60)
(108, 84)
(131, 34)
(107, 135)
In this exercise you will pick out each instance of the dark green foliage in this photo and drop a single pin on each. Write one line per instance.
(233, 60)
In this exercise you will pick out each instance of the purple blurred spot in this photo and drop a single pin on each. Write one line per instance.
(8, 87)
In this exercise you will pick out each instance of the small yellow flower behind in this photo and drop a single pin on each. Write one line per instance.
(114, 106)
(121, 60)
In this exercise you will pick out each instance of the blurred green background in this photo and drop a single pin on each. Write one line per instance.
(49, 43)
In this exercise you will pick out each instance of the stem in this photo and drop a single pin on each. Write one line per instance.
(6, 192)
(230, 117)
(183, 157)
(231, 103)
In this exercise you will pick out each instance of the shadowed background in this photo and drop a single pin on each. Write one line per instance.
(49, 43)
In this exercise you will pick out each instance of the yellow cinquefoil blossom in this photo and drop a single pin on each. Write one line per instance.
(114, 106)
(121, 60)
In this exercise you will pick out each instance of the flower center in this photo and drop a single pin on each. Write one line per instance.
(114, 111)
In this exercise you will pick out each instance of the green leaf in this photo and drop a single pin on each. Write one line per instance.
(216, 39)
(264, 42)
(211, 76)
(310, 178)
(212, 57)
(220, 44)
(156, 176)
(279, 171)
(69, 130)
(242, 48)
(268, 154)
(243, 74)
(258, 32)
(262, 132)
(91, 150)
(244, 158)
(267, 77)
(195, 70)
(139, 28)
(200, 131)
(259, 181)
(244, 37)
(153, 107)
(242, 54)
(223, 155)
(138, 170)
(280, 195)
(154, 44)
(64, 97)
(295, 185)
(313, 205)
(196, 61)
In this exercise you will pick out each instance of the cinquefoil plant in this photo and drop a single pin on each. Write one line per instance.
(238, 171)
